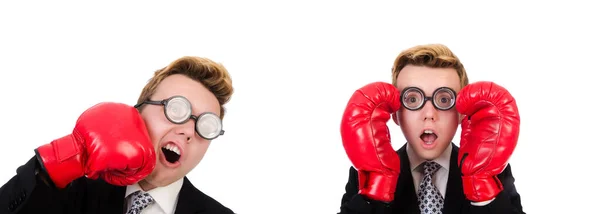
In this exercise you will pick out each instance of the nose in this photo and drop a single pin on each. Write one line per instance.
(429, 111)
(186, 130)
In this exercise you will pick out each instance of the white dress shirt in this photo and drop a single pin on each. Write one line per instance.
(440, 178)
(165, 198)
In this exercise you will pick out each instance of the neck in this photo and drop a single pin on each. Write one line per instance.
(146, 186)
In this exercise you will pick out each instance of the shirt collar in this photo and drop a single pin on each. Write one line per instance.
(165, 197)
(415, 161)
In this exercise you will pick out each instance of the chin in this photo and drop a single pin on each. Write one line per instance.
(158, 182)
(429, 155)
(156, 178)
(166, 177)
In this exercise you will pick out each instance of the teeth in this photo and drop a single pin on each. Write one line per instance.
(172, 148)
(429, 142)
(428, 131)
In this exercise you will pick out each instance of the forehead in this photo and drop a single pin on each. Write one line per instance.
(428, 78)
(200, 97)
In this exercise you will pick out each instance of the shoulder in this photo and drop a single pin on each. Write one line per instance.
(506, 174)
(193, 197)
(402, 150)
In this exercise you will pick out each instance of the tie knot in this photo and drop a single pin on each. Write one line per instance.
(142, 198)
(431, 167)
(140, 201)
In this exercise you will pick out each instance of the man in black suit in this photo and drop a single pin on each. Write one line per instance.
(430, 174)
(116, 161)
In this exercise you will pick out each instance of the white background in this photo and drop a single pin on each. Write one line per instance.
(294, 65)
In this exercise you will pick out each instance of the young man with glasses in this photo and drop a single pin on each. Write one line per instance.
(429, 97)
(131, 159)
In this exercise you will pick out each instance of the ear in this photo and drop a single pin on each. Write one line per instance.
(396, 117)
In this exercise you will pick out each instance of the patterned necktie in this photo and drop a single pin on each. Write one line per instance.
(140, 201)
(430, 199)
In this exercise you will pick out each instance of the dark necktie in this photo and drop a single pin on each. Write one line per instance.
(430, 199)
(140, 201)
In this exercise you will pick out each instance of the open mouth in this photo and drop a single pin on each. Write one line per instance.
(428, 136)
(171, 153)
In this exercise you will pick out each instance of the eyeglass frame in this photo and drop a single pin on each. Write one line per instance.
(426, 98)
(164, 103)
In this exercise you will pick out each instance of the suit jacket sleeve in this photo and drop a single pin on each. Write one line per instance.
(354, 203)
(26, 192)
(508, 201)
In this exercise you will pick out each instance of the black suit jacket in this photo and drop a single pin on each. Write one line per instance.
(27, 193)
(405, 198)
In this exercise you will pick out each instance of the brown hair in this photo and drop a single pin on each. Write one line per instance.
(430, 55)
(212, 75)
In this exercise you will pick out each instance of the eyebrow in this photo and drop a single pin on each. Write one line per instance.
(426, 92)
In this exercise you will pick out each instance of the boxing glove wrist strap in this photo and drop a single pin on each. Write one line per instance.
(40, 171)
(378, 206)
(380, 187)
(479, 188)
(62, 160)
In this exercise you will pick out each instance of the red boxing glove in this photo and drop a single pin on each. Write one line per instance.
(110, 140)
(490, 131)
(366, 139)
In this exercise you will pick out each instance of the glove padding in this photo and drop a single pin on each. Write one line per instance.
(490, 131)
(366, 139)
(110, 141)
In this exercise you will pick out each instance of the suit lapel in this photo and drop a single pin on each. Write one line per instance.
(454, 192)
(118, 199)
(405, 189)
(188, 201)
(102, 197)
